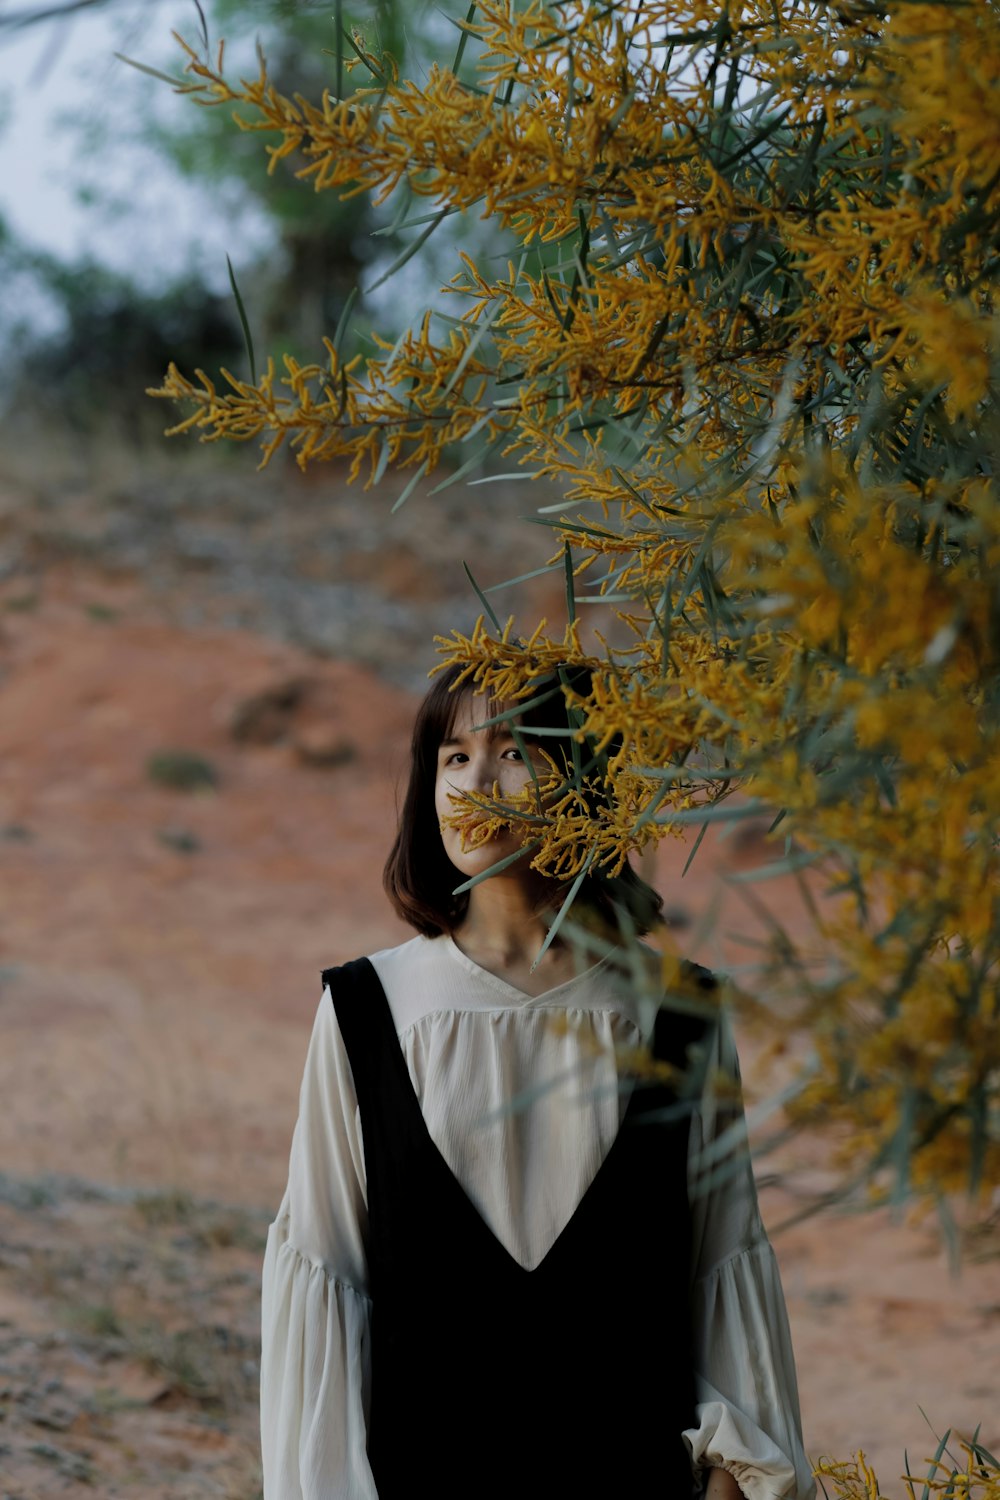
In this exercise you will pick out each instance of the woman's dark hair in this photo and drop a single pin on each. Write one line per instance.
(419, 877)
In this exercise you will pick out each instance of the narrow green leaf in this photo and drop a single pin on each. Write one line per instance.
(789, 866)
(175, 83)
(692, 772)
(545, 731)
(623, 108)
(697, 845)
(570, 584)
(579, 274)
(247, 336)
(649, 813)
(487, 606)
(932, 1472)
(457, 63)
(570, 93)
(547, 288)
(383, 461)
(375, 72)
(500, 865)
(808, 899)
(885, 781)
(567, 526)
(695, 569)
(402, 223)
(203, 25)
(575, 721)
(410, 250)
(482, 329)
(474, 460)
(504, 715)
(734, 1137)
(759, 138)
(345, 314)
(338, 31)
(519, 475)
(509, 583)
(652, 344)
(508, 92)
(563, 911)
(718, 812)
(552, 510)
(719, 713)
(414, 481)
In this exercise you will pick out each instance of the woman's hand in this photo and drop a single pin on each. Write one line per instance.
(722, 1486)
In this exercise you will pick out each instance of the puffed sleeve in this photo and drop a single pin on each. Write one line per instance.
(315, 1310)
(747, 1415)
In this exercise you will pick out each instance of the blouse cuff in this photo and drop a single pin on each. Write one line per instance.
(748, 1417)
(726, 1438)
(314, 1379)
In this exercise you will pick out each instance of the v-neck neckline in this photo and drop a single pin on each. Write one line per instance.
(392, 1041)
(501, 1249)
(511, 991)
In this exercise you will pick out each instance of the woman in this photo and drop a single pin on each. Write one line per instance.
(494, 1272)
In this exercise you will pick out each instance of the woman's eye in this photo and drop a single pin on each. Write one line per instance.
(514, 753)
(456, 758)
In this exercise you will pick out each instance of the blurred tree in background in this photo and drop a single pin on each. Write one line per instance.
(107, 334)
(323, 248)
(759, 377)
(332, 254)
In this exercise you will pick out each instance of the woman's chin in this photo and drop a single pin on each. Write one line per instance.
(483, 857)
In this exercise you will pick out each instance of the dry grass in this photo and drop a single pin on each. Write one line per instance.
(130, 1361)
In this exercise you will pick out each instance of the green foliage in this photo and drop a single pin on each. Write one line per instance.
(180, 840)
(756, 363)
(109, 339)
(182, 771)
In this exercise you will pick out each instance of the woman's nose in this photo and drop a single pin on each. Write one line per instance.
(485, 774)
(481, 772)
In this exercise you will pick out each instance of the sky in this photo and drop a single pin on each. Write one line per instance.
(59, 81)
(61, 87)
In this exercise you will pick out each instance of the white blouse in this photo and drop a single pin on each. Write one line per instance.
(521, 1096)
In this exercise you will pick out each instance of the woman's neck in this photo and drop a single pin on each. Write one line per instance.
(504, 929)
(507, 924)
(508, 916)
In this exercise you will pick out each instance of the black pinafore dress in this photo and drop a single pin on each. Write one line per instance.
(492, 1382)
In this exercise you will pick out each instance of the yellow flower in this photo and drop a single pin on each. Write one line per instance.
(751, 358)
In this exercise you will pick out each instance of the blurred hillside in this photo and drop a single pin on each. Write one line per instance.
(209, 542)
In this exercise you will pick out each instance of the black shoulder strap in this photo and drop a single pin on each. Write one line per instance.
(685, 1024)
(369, 1033)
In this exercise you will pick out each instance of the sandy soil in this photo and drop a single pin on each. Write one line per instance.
(159, 959)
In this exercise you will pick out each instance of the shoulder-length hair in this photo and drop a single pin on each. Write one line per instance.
(420, 879)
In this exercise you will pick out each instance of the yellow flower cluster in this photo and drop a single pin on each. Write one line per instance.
(973, 1476)
(818, 220)
(749, 339)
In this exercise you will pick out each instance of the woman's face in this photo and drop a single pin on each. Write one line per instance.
(479, 760)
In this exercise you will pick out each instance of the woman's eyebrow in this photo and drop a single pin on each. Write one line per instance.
(493, 732)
